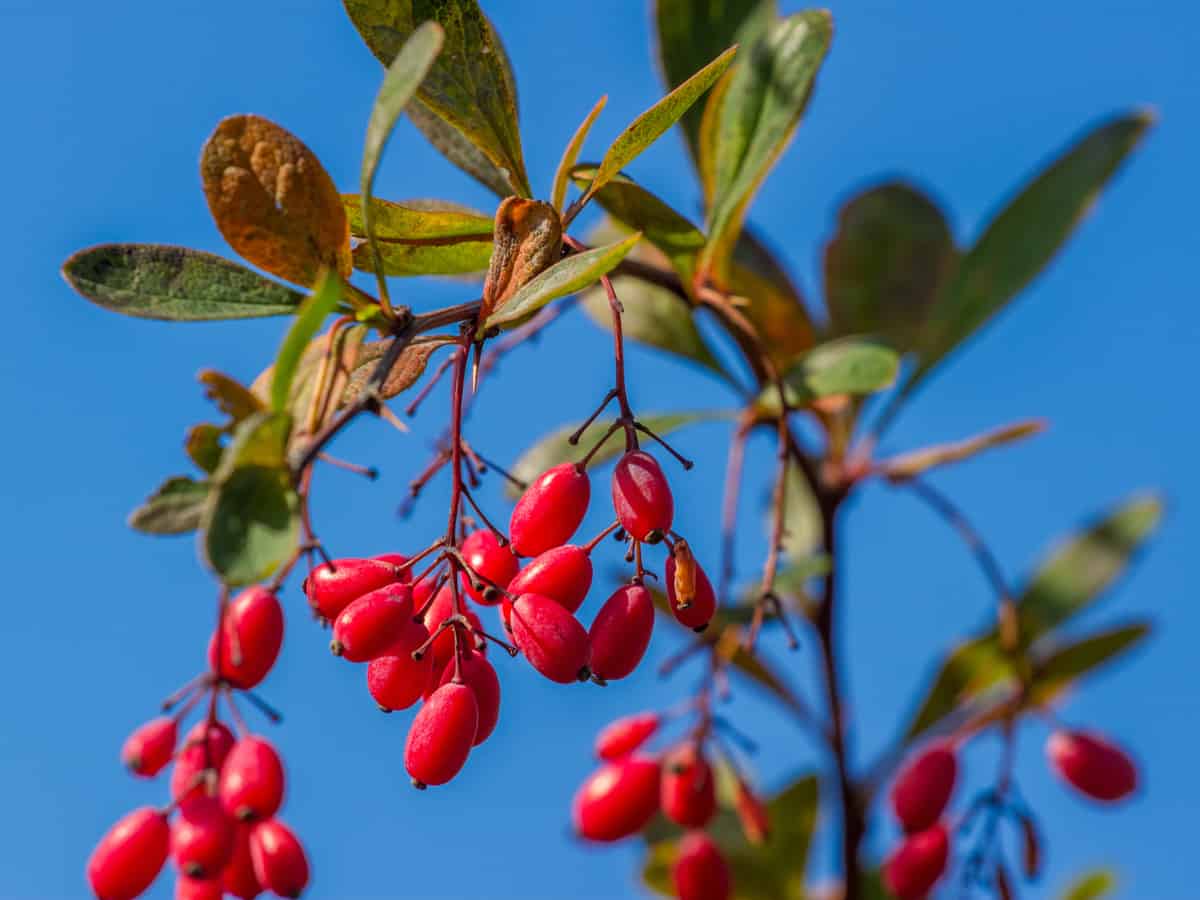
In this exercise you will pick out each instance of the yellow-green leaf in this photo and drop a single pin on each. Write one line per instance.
(308, 322)
(1060, 665)
(563, 173)
(418, 221)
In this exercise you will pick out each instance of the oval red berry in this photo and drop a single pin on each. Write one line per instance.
(550, 637)
(563, 574)
(642, 497)
(479, 675)
(492, 561)
(333, 586)
(1092, 765)
(251, 786)
(917, 864)
(395, 680)
(621, 632)
(689, 790)
(617, 800)
(550, 510)
(703, 607)
(924, 785)
(238, 877)
(201, 837)
(277, 855)
(372, 623)
(147, 751)
(193, 759)
(251, 636)
(130, 856)
(441, 735)
(700, 871)
(622, 737)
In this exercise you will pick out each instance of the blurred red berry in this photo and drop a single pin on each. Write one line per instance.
(700, 871)
(238, 877)
(202, 837)
(130, 856)
(278, 858)
(148, 750)
(193, 759)
(1092, 765)
(250, 638)
(618, 799)
(924, 785)
(916, 865)
(252, 779)
(689, 790)
(625, 735)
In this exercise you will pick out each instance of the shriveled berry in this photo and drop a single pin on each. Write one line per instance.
(752, 813)
(924, 785)
(333, 586)
(251, 786)
(198, 889)
(404, 573)
(148, 750)
(442, 735)
(689, 791)
(563, 574)
(622, 737)
(250, 638)
(550, 510)
(700, 871)
(278, 858)
(130, 856)
(1092, 765)
(492, 561)
(372, 623)
(916, 865)
(700, 611)
(202, 838)
(617, 800)
(238, 877)
(642, 497)
(479, 675)
(550, 637)
(194, 759)
(396, 680)
(439, 611)
(621, 632)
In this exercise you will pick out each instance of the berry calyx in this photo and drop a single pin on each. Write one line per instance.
(442, 735)
(202, 838)
(924, 785)
(479, 675)
(278, 859)
(368, 626)
(689, 791)
(550, 510)
(238, 877)
(617, 800)
(333, 586)
(700, 871)
(491, 560)
(194, 760)
(251, 785)
(563, 574)
(642, 497)
(130, 856)
(250, 638)
(916, 865)
(396, 680)
(703, 605)
(621, 632)
(622, 737)
(147, 751)
(550, 637)
(1092, 765)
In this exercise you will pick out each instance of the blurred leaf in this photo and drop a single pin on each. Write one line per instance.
(731, 648)
(916, 462)
(692, 32)
(342, 358)
(231, 398)
(175, 508)
(851, 365)
(565, 277)
(1060, 665)
(891, 254)
(793, 580)
(469, 87)
(760, 109)
(773, 304)
(203, 445)
(153, 281)
(308, 322)
(1092, 885)
(801, 518)
(273, 201)
(418, 220)
(566, 165)
(404, 374)
(971, 668)
(654, 122)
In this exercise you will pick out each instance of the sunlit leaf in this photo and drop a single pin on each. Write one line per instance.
(916, 462)
(405, 259)
(1091, 886)
(272, 200)
(566, 165)
(855, 366)
(1061, 664)
(203, 445)
(403, 375)
(153, 281)
(231, 397)
(308, 321)
(175, 508)
(416, 221)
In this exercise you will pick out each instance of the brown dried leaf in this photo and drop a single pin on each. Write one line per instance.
(273, 201)
(231, 398)
(527, 240)
(910, 465)
(408, 368)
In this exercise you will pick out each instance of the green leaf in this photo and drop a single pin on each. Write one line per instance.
(1022, 239)
(566, 165)
(175, 508)
(971, 668)
(772, 302)
(1091, 885)
(564, 277)
(469, 88)
(203, 445)
(458, 257)
(801, 518)
(417, 221)
(251, 522)
(654, 122)
(309, 318)
(891, 255)
(154, 281)
(691, 32)
(1057, 667)
(852, 365)
(910, 465)
(759, 110)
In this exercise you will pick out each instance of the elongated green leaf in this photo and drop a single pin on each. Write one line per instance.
(469, 88)
(416, 221)
(1092, 885)
(910, 465)
(654, 122)
(175, 508)
(1060, 665)
(970, 669)
(760, 108)
(311, 316)
(453, 145)
(801, 518)
(458, 257)
(691, 32)
(772, 302)
(565, 277)
(891, 255)
(154, 281)
(854, 366)
(566, 165)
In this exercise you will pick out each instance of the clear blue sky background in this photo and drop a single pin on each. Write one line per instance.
(106, 107)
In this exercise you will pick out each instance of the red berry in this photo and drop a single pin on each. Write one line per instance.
(238, 877)
(550, 637)
(251, 637)
(700, 871)
(130, 856)
(439, 611)
(923, 787)
(395, 679)
(251, 784)
(642, 497)
(398, 560)
(331, 587)
(491, 560)
(198, 889)
(689, 791)
(372, 623)
(1092, 765)
(441, 735)
(147, 751)
(563, 574)
(278, 858)
(617, 800)
(550, 510)
(193, 759)
(916, 865)
(421, 592)
(704, 603)
(477, 674)
(202, 838)
(621, 631)
(625, 735)
(752, 813)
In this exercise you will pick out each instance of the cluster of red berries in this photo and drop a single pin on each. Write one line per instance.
(220, 827)
(1089, 763)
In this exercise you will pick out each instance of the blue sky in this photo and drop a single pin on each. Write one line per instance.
(107, 109)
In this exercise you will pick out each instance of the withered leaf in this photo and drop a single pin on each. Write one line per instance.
(527, 237)
(203, 445)
(404, 374)
(231, 398)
